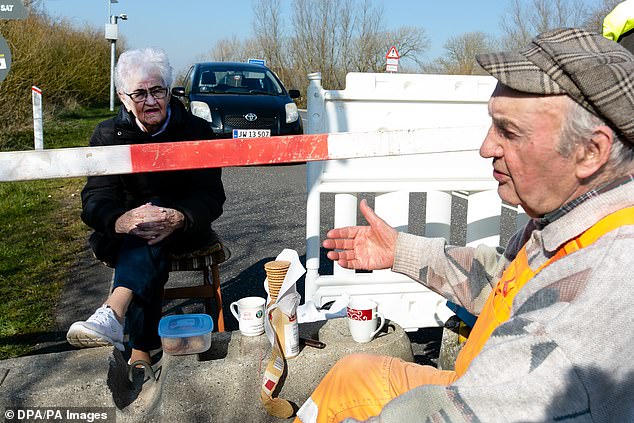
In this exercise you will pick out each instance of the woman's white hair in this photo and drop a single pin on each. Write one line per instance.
(577, 129)
(142, 63)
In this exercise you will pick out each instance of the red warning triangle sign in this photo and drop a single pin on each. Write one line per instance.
(392, 53)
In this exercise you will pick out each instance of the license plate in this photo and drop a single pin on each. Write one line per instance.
(251, 133)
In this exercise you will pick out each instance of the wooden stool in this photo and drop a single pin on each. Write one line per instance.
(206, 260)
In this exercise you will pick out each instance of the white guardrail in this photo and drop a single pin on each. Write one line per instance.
(120, 159)
(456, 106)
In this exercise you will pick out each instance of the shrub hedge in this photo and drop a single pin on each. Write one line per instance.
(70, 65)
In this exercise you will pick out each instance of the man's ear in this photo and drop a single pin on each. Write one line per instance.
(595, 153)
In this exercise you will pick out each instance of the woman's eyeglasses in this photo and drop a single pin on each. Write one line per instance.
(140, 96)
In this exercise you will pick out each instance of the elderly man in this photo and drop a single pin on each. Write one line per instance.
(551, 342)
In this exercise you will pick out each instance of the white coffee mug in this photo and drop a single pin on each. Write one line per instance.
(363, 319)
(249, 311)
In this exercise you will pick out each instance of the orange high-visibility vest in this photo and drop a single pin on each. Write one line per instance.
(497, 308)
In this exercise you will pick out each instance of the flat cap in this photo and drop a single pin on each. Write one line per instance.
(595, 72)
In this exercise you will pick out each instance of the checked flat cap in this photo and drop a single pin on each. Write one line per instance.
(595, 72)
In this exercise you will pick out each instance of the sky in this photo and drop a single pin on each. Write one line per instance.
(187, 29)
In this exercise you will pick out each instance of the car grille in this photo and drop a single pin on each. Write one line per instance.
(238, 121)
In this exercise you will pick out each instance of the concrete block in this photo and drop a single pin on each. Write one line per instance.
(66, 379)
(223, 385)
(220, 385)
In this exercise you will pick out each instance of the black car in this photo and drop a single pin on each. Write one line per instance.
(240, 100)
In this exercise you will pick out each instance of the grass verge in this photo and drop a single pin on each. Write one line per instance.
(41, 235)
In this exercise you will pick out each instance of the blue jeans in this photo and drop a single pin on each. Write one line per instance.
(143, 269)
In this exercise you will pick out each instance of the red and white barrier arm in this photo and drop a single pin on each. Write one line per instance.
(86, 161)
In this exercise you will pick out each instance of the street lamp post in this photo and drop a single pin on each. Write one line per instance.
(112, 34)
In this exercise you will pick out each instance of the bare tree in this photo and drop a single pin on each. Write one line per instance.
(346, 27)
(251, 49)
(269, 36)
(525, 19)
(228, 50)
(315, 37)
(522, 22)
(33, 5)
(369, 41)
(333, 37)
(412, 43)
(460, 52)
(594, 22)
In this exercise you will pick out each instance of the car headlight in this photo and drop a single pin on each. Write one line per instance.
(291, 112)
(200, 109)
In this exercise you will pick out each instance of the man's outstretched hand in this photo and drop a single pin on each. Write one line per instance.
(363, 247)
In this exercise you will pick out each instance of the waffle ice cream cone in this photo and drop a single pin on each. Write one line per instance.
(275, 273)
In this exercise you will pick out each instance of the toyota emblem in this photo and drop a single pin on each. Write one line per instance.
(251, 117)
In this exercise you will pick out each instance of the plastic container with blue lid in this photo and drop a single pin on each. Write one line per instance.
(185, 333)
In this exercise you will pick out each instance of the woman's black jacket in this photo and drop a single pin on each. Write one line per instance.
(198, 194)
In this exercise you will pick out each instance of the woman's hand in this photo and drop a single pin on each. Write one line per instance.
(150, 222)
(363, 247)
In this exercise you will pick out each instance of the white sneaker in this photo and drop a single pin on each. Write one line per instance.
(101, 329)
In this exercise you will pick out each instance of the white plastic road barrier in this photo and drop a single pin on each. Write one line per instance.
(450, 173)
(85, 161)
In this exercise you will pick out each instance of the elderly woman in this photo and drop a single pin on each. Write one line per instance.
(138, 219)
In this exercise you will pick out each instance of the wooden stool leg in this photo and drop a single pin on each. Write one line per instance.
(207, 299)
(215, 277)
(215, 282)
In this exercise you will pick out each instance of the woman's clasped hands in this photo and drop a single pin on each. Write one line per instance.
(150, 222)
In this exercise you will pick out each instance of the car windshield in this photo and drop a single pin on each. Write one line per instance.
(237, 81)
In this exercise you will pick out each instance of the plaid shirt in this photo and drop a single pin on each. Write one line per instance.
(556, 214)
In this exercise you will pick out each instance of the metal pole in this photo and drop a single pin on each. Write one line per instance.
(113, 48)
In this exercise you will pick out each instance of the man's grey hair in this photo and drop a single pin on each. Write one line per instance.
(577, 129)
(142, 63)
